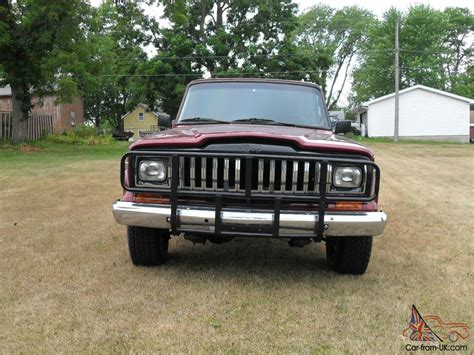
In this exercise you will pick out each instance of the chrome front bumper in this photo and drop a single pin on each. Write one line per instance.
(202, 220)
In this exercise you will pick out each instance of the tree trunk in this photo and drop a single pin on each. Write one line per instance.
(97, 122)
(120, 128)
(219, 16)
(19, 121)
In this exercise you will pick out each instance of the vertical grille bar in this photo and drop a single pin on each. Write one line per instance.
(294, 181)
(170, 172)
(283, 176)
(260, 175)
(192, 167)
(248, 176)
(203, 173)
(329, 178)
(271, 185)
(306, 177)
(226, 174)
(214, 174)
(317, 176)
(237, 174)
(181, 172)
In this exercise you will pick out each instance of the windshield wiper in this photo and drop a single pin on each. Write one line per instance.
(202, 119)
(264, 121)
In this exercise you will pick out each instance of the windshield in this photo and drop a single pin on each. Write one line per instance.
(256, 102)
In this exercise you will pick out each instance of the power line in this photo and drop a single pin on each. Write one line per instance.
(215, 74)
(239, 56)
(425, 51)
(270, 55)
(227, 74)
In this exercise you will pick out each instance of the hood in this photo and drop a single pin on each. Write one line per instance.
(195, 136)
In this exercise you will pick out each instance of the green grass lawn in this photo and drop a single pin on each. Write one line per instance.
(68, 285)
(364, 140)
(46, 152)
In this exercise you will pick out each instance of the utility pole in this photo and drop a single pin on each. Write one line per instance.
(397, 82)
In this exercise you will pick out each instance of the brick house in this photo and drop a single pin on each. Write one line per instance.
(65, 115)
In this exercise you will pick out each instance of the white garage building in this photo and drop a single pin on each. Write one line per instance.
(425, 113)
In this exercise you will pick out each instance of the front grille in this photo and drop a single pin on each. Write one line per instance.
(224, 178)
(263, 176)
(283, 176)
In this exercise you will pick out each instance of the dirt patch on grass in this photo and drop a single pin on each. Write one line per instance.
(67, 284)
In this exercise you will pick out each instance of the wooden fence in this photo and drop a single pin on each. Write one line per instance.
(38, 125)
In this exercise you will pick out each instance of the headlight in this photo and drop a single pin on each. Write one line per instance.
(347, 176)
(152, 170)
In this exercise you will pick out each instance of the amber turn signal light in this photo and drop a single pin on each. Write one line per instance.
(151, 198)
(348, 206)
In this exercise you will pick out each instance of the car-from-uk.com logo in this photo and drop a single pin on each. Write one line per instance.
(431, 333)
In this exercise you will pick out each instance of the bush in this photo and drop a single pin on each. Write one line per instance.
(80, 136)
(84, 131)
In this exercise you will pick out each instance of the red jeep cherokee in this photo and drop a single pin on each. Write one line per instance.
(251, 158)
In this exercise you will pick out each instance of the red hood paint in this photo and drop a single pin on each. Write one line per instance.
(192, 136)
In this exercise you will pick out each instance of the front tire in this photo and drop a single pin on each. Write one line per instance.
(148, 246)
(348, 255)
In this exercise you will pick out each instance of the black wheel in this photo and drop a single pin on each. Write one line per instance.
(148, 246)
(348, 255)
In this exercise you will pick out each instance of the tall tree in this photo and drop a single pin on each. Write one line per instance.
(421, 42)
(34, 34)
(459, 56)
(374, 75)
(337, 34)
(117, 33)
(225, 38)
(434, 51)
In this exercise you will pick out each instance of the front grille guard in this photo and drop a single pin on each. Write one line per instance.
(322, 197)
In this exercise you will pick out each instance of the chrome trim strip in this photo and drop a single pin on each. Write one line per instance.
(272, 176)
(202, 219)
(328, 178)
(260, 175)
(181, 172)
(203, 173)
(192, 167)
(374, 176)
(226, 174)
(214, 174)
(306, 177)
(317, 176)
(294, 181)
(283, 176)
(168, 178)
(237, 174)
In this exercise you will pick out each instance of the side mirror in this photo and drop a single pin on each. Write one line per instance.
(342, 127)
(164, 121)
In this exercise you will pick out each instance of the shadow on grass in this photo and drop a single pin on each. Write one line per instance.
(244, 257)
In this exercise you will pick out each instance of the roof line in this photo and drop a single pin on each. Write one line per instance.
(145, 106)
(423, 87)
(255, 80)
